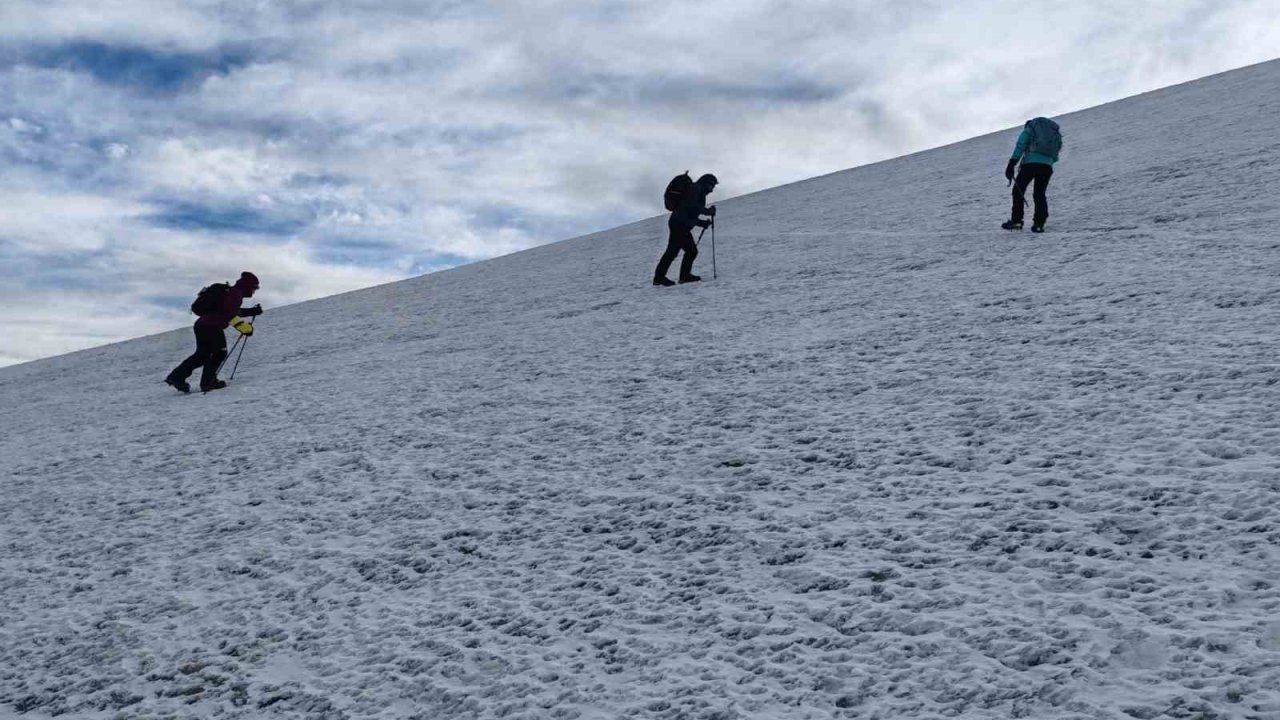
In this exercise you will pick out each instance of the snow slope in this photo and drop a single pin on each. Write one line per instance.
(894, 463)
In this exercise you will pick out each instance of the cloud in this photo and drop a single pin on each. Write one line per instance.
(360, 142)
(41, 224)
(198, 166)
(159, 23)
(51, 323)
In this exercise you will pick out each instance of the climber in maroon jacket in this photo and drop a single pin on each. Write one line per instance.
(215, 314)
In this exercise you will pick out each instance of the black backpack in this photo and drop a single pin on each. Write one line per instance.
(677, 190)
(210, 299)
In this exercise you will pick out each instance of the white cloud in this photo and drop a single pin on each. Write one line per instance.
(172, 23)
(42, 223)
(190, 165)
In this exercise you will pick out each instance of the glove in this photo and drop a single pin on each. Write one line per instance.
(1008, 169)
(711, 211)
(244, 326)
(254, 311)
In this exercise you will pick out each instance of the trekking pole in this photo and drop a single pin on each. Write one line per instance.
(231, 352)
(713, 249)
(242, 347)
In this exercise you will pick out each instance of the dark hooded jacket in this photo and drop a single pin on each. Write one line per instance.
(691, 208)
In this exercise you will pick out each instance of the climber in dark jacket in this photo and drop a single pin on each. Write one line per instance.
(684, 218)
(211, 344)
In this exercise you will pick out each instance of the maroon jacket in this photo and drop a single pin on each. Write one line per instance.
(230, 308)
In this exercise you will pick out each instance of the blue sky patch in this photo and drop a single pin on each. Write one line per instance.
(225, 219)
(146, 70)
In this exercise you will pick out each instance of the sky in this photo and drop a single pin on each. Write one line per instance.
(150, 147)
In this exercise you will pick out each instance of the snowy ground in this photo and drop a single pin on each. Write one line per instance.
(894, 463)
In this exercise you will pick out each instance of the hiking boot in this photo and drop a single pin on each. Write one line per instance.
(216, 385)
(662, 282)
(177, 384)
(690, 278)
(1037, 228)
(1011, 225)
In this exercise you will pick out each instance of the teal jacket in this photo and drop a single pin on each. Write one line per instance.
(1020, 151)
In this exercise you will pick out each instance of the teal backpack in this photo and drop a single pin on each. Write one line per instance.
(1046, 138)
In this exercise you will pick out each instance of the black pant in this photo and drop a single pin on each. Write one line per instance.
(680, 238)
(211, 350)
(1040, 174)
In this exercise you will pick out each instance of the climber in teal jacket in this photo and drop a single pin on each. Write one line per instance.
(1037, 148)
